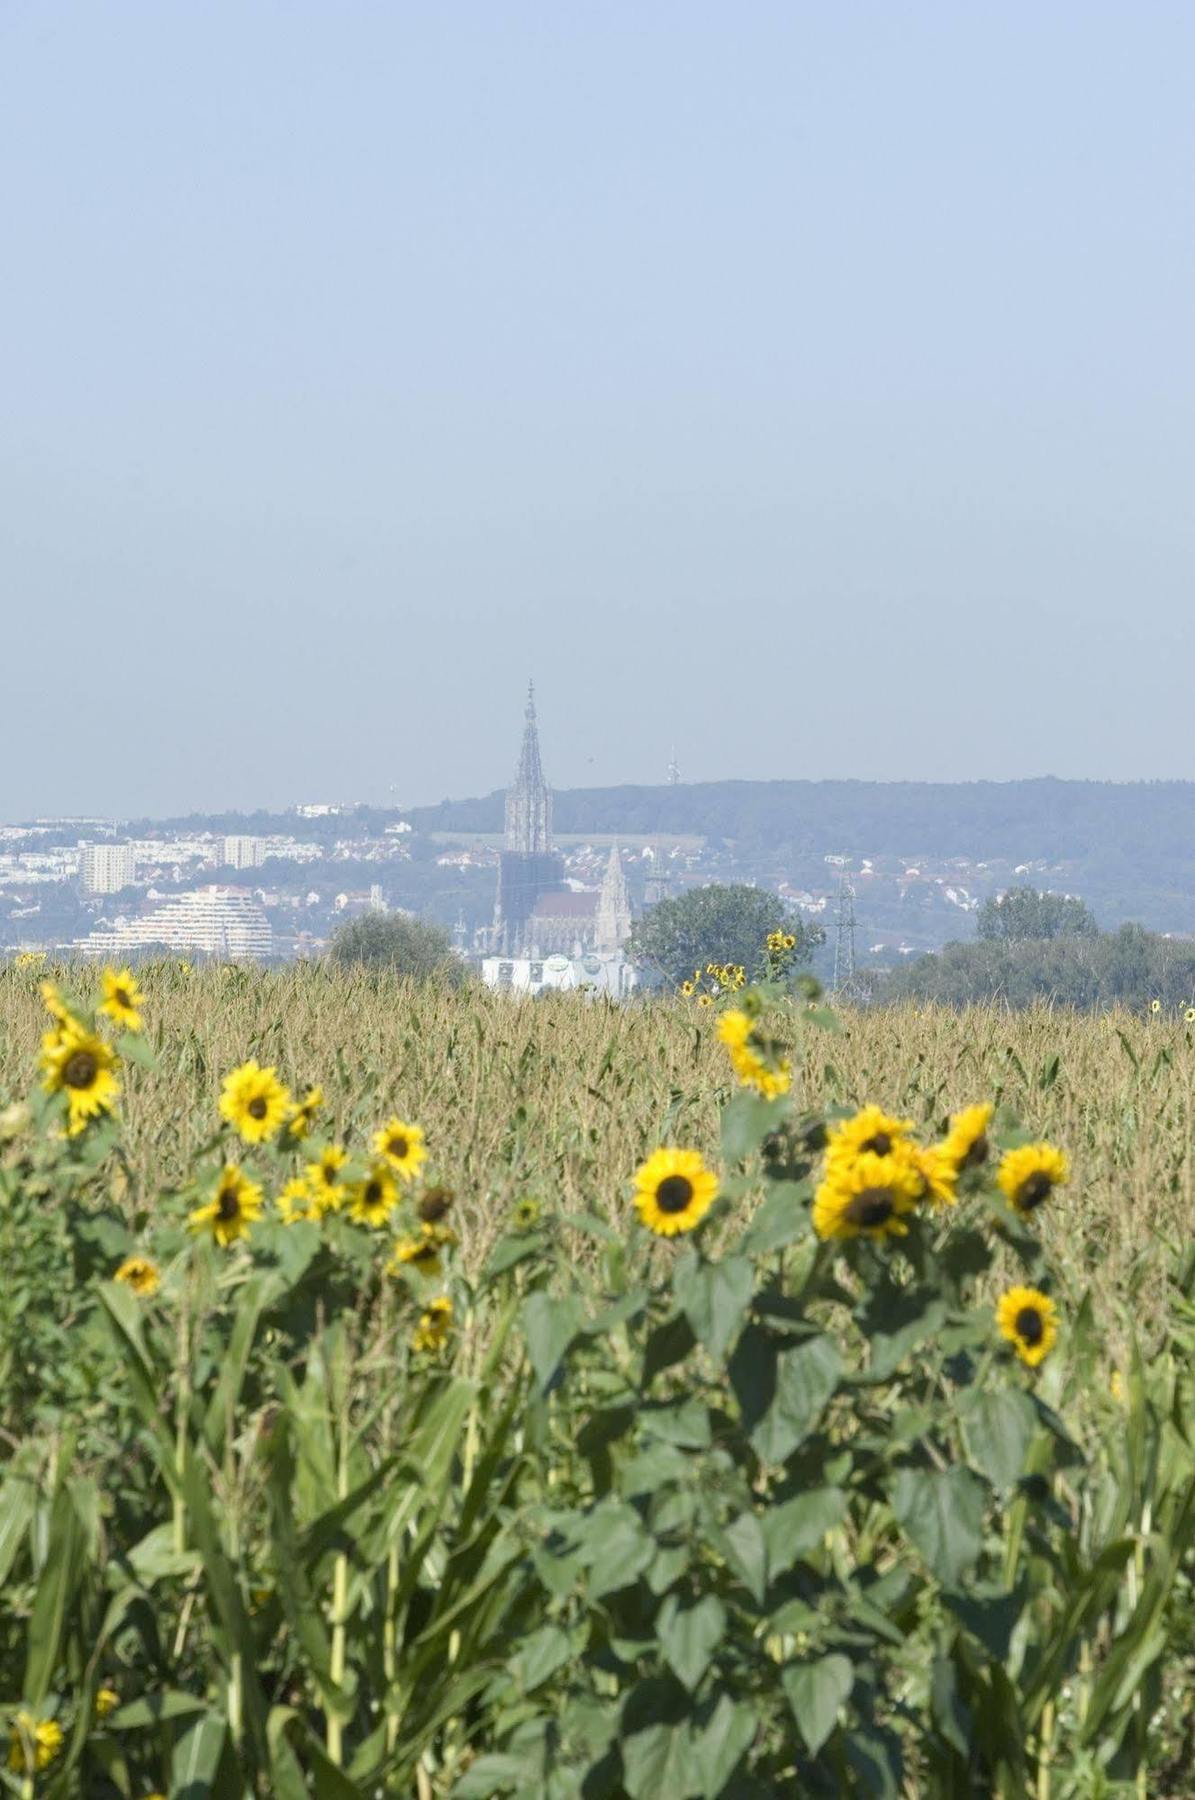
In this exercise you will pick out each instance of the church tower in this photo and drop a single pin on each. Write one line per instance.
(528, 802)
(613, 922)
(527, 865)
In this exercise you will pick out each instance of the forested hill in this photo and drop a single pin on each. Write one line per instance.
(1152, 821)
(1127, 848)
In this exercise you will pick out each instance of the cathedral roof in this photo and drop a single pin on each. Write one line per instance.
(565, 905)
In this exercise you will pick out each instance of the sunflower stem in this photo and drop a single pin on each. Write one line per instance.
(340, 1585)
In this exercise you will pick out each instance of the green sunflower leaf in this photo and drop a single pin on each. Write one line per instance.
(941, 1510)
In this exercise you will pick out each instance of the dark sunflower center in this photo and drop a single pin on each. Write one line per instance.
(228, 1203)
(1029, 1326)
(425, 1253)
(329, 1174)
(435, 1204)
(80, 1070)
(674, 1193)
(977, 1153)
(870, 1208)
(398, 1146)
(373, 1193)
(879, 1145)
(257, 1107)
(1033, 1190)
(122, 998)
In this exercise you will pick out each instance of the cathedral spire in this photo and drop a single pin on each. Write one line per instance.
(529, 802)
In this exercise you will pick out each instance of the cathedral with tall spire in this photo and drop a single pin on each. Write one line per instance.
(539, 914)
(528, 866)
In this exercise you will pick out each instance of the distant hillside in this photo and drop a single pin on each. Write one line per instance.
(1129, 848)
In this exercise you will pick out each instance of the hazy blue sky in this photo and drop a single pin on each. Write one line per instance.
(807, 385)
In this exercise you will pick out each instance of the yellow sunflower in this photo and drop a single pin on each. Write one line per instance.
(57, 1007)
(870, 1132)
(371, 1200)
(233, 1208)
(1189, 1015)
(401, 1145)
(526, 1214)
(673, 1191)
(296, 1201)
(303, 1113)
(966, 1143)
(33, 1743)
(771, 1074)
(123, 999)
(323, 1178)
(868, 1196)
(705, 999)
(1155, 1006)
(254, 1102)
(419, 1253)
(1028, 1319)
(77, 1063)
(939, 1172)
(434, 1325)
(139, 1274)
(106, 1701)
(1029, 1175)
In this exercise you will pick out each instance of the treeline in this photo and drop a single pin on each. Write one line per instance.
(1129, 967)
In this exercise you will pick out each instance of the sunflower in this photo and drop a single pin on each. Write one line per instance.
(744, 1046)
(106, 1701)
(323, 1178)
(1028, 1319)
(303, 1113)
(686, 988)
(1189, 1015)
(254, 1101)
(434, 1204)
(123, 999)
(790, 941)
(939, 1172)
(371, 1200)
(433, 1325)
(77, 1063)
(868, 1196)
(296, 1201)
(33, 1743)
(401, 1145)
(233, 1208)
(966, 1143)
(870, 1132)
(526, 1214)
(705, 999)
(673, 1191)
(57, 1007)
(1029, 1175)
(1155, 1006)
(140, 1274)
(419, 1253)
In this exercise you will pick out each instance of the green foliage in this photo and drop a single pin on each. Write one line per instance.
(1129, 967)
(1023, 912)
(715, 924)
(414, 948)
(741, 1512)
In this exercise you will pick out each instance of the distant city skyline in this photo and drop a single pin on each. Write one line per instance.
(808, 387)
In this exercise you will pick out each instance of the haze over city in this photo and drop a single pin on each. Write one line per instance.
(804, 386)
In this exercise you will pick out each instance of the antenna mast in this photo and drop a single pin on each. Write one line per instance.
(845, 984)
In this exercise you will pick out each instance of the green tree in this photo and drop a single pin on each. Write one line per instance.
(1022, 912)
(715, 924)
(410, 946)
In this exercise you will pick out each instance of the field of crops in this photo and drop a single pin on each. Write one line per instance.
(497, 1470)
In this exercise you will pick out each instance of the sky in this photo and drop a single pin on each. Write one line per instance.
(805, 386)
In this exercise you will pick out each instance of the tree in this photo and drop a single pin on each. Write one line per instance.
(1023, 913)
(1129, 967)
(409, 946)
(714, 924)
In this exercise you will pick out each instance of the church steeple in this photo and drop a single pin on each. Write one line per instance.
(529, 801)
(613, 921)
